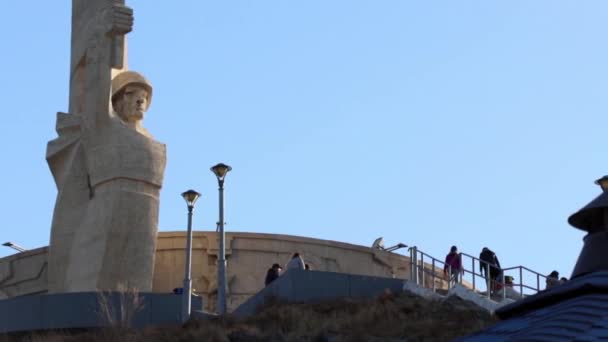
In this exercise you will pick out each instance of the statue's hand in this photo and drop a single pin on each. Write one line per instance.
(119, 19)
(114, 20)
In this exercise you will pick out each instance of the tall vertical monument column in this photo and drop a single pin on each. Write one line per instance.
(107, 167)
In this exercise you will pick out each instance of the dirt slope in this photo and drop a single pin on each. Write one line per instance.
(404, 317)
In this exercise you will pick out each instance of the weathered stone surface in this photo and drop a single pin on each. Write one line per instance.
(107, 167)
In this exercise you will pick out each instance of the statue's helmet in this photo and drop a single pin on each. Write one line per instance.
(125, 78)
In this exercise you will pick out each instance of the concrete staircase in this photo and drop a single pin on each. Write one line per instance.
(489, 304)
(297, 286)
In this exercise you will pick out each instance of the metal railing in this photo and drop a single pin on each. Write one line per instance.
(522, 273)
(418, 271)
(529, 280)
(489, 283)
(525, 273)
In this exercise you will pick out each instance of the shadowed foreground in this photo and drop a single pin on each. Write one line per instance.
(404, 317)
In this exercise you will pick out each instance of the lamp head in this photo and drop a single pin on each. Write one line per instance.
(14, 246)
(220, 170)
(190, 196)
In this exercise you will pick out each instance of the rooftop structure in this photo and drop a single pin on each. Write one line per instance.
(575, 310)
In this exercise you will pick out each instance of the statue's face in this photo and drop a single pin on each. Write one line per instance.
(132, 103)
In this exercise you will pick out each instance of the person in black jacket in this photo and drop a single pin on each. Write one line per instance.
(489, 265)
(273, 273)
(553, 279)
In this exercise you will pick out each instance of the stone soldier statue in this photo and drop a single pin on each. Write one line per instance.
(107, 167)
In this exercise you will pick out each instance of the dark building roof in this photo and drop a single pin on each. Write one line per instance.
(574, 311)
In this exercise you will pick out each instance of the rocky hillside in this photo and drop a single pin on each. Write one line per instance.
(403, 317)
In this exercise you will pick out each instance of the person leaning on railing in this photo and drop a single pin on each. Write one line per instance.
(489, 265)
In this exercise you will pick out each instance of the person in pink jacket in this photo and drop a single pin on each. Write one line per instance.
(453, 263)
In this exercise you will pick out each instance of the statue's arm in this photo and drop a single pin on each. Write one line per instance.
(109, 25)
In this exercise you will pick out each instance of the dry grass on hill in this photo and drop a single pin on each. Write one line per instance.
(404, 317)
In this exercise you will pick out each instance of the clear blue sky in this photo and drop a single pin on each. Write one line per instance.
(472, 123)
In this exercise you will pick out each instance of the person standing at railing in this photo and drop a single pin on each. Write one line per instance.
(553, 279)
(509, 291)
(489, 266)
(453, 264)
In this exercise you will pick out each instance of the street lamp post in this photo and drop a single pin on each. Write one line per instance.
(190, 197)
(220, 170)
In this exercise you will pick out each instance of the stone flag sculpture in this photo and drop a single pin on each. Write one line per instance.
(107, 167)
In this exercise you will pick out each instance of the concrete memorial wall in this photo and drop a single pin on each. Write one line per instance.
(249, 256)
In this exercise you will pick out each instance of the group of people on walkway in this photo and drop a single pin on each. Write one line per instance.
(296, 263)
(490, 268)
